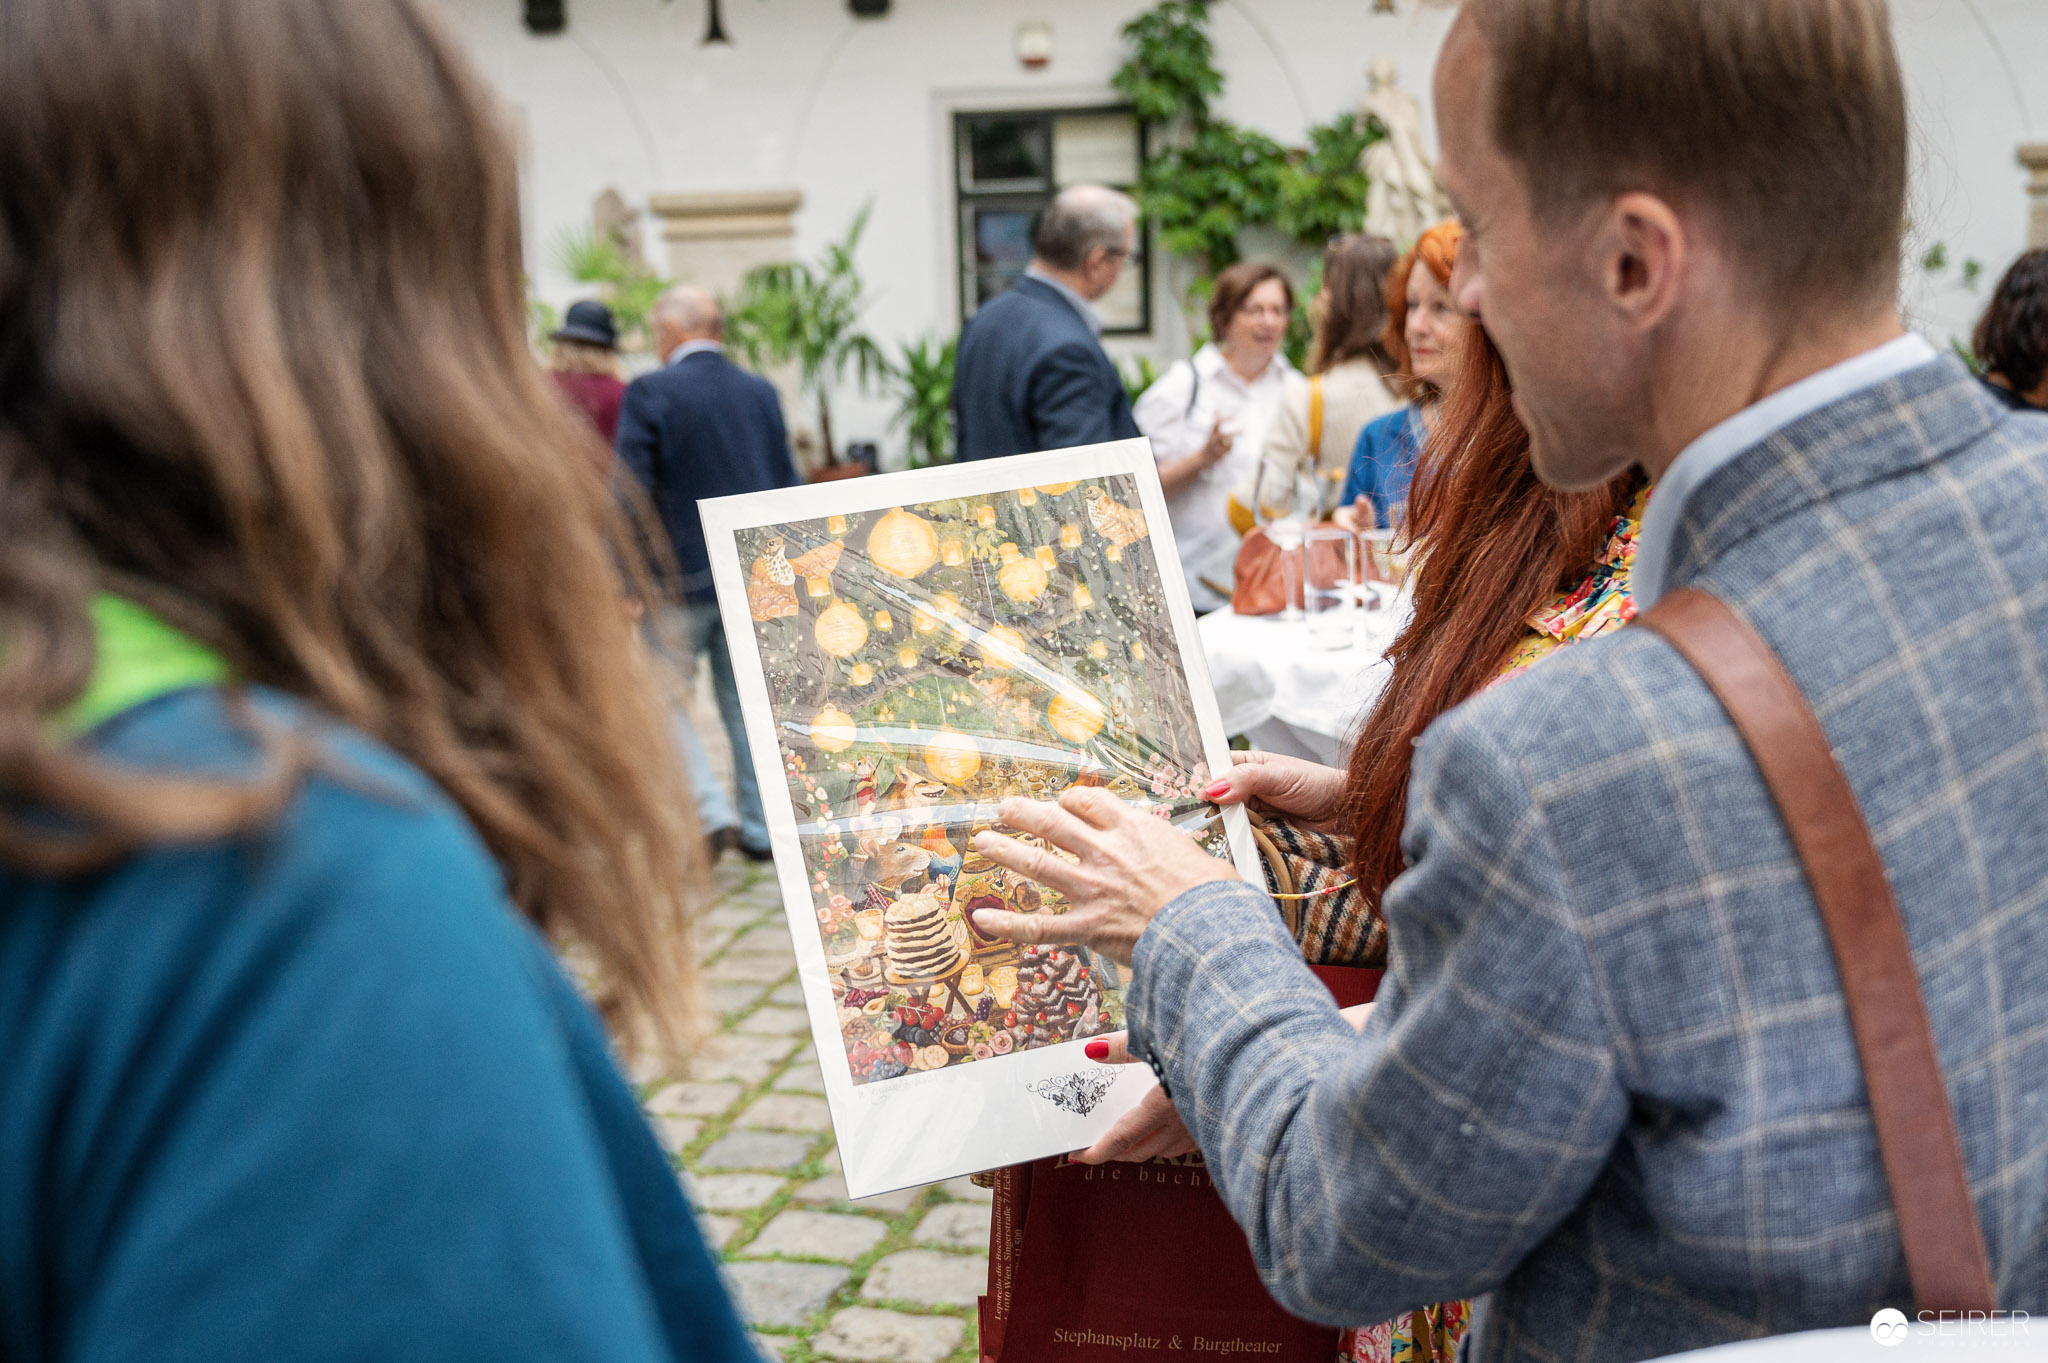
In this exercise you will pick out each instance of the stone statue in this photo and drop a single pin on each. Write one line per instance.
(1403, 197)
(616, 221)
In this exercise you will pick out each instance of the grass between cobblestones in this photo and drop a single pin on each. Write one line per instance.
(747, 920)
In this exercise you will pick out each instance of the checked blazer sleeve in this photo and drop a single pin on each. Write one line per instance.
(1423, 1160)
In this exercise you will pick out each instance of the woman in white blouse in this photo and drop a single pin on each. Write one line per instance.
(1208, 416)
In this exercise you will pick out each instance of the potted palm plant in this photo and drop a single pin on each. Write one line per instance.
(923, 377)
(629, 287)
(809, 316)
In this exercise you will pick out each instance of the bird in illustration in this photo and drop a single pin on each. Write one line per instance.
(820, 562)
(946, 858)
(1119, 524)
(771, 583)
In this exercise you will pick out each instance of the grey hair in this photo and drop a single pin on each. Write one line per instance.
(1079, 219)
(691, 309)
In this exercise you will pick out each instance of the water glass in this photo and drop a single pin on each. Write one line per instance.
(1330, 586)
(1284, 502)
(1384, 555)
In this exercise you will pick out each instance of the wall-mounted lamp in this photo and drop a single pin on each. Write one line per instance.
(714, 25)
(868, 9)
(545, 16)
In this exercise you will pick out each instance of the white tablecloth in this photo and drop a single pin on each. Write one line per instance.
(1288, 697)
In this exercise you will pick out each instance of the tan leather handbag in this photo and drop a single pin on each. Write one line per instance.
(1909, 1103)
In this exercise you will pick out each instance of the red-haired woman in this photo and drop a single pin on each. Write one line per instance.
(1514, 571)
(1423, 326)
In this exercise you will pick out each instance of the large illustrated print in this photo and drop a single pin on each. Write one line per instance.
(910, 650)
(923, 662)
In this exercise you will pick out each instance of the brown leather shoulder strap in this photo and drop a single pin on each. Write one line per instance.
(1916, 1130)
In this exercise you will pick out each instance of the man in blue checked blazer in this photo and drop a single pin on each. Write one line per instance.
(1609, 1088)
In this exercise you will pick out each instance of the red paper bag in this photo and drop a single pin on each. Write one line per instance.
(1124, 1263)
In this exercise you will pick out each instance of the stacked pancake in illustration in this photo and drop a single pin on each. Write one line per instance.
(922, 943)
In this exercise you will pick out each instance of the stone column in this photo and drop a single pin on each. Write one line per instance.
(2034, 156)
(714, 239)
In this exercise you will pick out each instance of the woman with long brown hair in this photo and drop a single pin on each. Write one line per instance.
(318, 711)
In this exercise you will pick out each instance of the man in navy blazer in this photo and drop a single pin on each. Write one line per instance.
(1032, 374)
(702, 427)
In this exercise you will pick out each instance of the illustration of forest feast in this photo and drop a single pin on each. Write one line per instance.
(924, 662)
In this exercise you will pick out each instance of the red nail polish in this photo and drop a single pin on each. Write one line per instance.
(1097, 1050)
(1216, 790)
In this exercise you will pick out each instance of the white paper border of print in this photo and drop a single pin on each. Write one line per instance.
(922, 1127)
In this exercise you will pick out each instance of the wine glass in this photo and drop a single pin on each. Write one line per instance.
(1285, 501)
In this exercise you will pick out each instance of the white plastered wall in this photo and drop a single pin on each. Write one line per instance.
(854, 111)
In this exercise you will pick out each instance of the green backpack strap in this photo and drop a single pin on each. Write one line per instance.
(137, 657)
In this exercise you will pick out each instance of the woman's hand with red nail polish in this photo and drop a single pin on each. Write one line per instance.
(1307, 794)
(1147, 1131)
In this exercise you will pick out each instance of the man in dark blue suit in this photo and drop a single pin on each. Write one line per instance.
(1032, 374)
(701, 427)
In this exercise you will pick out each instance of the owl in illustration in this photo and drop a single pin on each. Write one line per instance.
(1120, 525)
(771, 584)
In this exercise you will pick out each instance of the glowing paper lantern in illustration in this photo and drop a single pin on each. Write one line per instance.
(861, 675)
(1044, 554)
(832, 730)
(1075, 716)
(1022, 579)
(840, 630)
(903, 544)
(1070, 536)
(952, 756)
(1027, 497)
(835, 525)
(1055, 489)
(884, 621)
(1083, 598)
(927, 617)
(1137, 651)
(1099, 651)
(952, 553)
(906, 657)
(984, 515)
(1002, 646)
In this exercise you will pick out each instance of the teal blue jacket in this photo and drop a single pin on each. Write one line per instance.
(320, 1093)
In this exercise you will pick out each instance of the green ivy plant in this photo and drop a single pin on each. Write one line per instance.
(809, 315)
(1210, 179)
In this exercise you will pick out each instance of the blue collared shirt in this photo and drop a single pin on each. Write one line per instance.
(1747, 429)
(692, 347)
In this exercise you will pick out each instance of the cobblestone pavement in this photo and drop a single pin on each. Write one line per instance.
(890, 1279)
